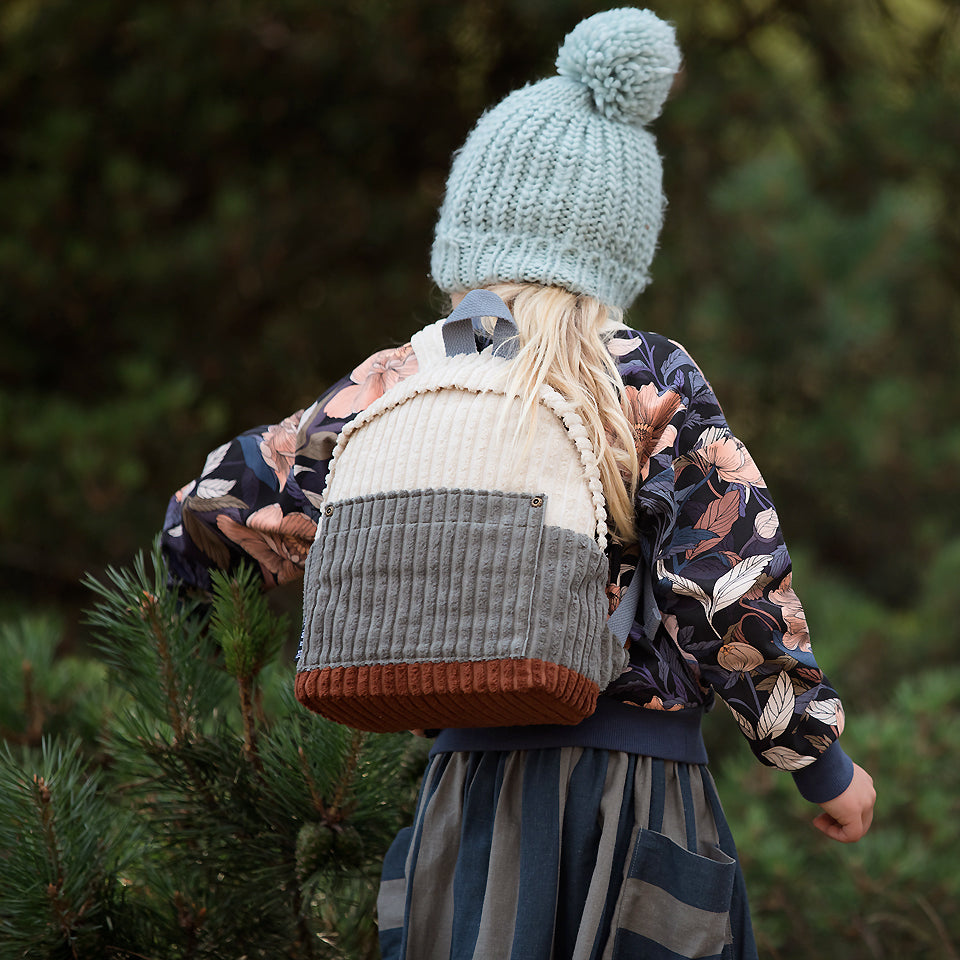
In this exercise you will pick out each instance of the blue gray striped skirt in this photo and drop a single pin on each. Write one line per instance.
(567, 853)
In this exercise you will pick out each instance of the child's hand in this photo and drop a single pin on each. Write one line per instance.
(847, 818)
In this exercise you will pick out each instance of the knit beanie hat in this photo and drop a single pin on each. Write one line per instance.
(560, 183)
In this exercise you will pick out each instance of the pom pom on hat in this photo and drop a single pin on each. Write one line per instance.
(560, 183)
(627, 58)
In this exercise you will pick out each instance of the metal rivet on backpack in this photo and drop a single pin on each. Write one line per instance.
(536, 502)
(328, 511)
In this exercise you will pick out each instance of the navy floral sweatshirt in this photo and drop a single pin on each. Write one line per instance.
(720, 612)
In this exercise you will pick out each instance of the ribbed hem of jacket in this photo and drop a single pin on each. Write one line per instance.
(613, 726)
(827, 777)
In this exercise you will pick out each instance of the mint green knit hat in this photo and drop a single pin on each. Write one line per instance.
(560, 183)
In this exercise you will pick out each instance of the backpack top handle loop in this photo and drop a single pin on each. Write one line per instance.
(458, 327)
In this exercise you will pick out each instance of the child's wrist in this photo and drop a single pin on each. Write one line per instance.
(827, 777)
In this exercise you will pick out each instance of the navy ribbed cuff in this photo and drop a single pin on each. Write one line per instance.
(827, 777)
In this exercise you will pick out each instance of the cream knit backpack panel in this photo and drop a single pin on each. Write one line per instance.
(454, 434)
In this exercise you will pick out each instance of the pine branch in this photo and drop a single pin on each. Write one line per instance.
(318, 803)
(357, 741)
(245, 685)
(250, 637)
(65, 917)
(151, 614)
(58, 892)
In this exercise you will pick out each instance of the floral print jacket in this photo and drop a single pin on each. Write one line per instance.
(727, 618)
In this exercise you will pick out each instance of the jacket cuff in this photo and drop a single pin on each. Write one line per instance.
(827, 777)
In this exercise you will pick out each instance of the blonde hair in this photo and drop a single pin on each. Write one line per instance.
(562, 344)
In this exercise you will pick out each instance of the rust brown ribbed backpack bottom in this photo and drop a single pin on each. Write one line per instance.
(399, 696)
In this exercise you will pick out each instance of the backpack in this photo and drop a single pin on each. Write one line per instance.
(453, 583)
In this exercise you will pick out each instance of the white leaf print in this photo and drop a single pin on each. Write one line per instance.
(786, 759)
(778, 712)
(734, 584)
(214, 459)
(766, 524)
(176, 531)
(306, 417)
(682, 585)
(745, 725)
(826, 711)
(316, 499)
(711, 435)
(210, 489)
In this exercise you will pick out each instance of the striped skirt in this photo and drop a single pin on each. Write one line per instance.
(564, 854)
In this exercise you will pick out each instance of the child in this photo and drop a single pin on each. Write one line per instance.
(603, 839)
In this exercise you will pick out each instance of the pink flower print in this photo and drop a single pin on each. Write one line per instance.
(650, 414)
(797, 635)
(371, 380)
(278, 446)
(279, 543)
(731, 458)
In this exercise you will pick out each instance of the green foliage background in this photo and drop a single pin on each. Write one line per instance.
(210, 211)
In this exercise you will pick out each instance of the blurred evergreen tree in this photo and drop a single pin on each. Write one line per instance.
(209, 212)
(812, 267)
(211, 816)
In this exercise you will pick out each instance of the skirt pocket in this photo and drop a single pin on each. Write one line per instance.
(675, 904)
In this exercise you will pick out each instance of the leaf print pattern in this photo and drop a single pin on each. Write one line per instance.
(767, 524)
(786, 759)
(829, 712)
(797, 635)
(718, 519)
(733, 585)
(722, 576)
(214, 459)
(213, 489)
(278, 542)
(685, 587)
(745, 725)
(727, 620)
(779, 709)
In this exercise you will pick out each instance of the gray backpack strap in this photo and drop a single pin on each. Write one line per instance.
(621, 620)
(458, 327)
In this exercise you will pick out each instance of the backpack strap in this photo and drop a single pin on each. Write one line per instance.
(621, 620)
(458, 327)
